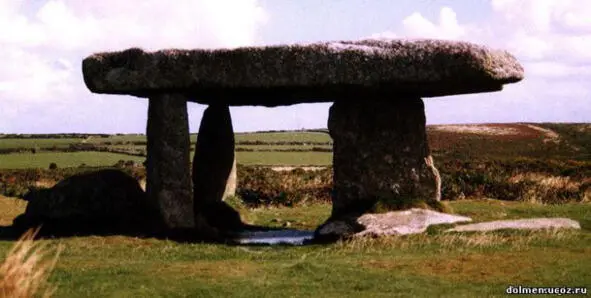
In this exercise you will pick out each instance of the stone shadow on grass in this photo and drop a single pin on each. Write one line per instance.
(105, 202)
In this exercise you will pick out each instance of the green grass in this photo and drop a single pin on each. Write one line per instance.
(74, 159)
(284, 158)
(284, 137)
(283, 147)
(62, 159)
(37, 143)
(248, 147)
(427, 265)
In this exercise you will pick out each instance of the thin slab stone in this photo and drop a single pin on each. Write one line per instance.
(300, 73)
(214, 168)
(519, 224)
(168, 162)
(412, 221)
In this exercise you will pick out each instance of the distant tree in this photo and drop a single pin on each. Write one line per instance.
(53, 166)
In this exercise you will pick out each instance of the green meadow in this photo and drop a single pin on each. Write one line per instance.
(436, 264)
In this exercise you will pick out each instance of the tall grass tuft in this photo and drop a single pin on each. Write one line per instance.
(25, 270)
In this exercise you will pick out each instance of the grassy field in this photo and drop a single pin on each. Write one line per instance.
(429, 265)
(62, 159)
(123, 139)
(36, 143)
(74, 159)
(462, 142)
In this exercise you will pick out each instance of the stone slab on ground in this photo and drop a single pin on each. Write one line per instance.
(299, 73)
(412, 221)
(519, 224)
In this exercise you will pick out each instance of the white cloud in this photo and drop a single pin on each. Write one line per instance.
(41, 49)
(547, 29)
(545, 15)
(555, 69)
(552, 40)
(416, 25)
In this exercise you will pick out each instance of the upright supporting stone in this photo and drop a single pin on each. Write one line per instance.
(213, 167)
(232, 182)
(381, 157)
(168, 163)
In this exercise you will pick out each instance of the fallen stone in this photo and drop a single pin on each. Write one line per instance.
(317, 72)
(519, 224)
(381, 159)
(106, 201)
(412, 221)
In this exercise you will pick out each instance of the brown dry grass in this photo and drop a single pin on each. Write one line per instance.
(453, 241)
(25, 270)
(11, 207)
(545, 184)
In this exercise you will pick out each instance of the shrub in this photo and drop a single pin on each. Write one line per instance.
(52, 166)
(263, 186)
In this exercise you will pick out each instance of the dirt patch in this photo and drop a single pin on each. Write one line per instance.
(45, 183)
(482, 129)
(508, 130)
(549, 135)
(286, 168)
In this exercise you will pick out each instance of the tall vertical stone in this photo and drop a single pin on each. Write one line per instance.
(381, 158)
(213, 167)
(232, 182)
(168, 162)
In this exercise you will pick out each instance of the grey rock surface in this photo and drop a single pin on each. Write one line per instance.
(381, 158)
(316, 72)
(214, 168)
(412, 221)
(519, 224)
(168, 170)
(232, 182)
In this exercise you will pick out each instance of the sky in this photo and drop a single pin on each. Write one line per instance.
(43, 42)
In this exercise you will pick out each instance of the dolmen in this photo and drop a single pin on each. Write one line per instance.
(381, 160)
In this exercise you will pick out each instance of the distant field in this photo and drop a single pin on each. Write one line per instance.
(460, 142)
(36, 143)
(283, 147)
(247, 147)
(284, 158)
(74, 159)
(314, 137)
(285, 137)
(251, 137)
(62, 159)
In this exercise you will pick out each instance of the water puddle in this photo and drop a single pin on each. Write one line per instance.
(293, 237)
